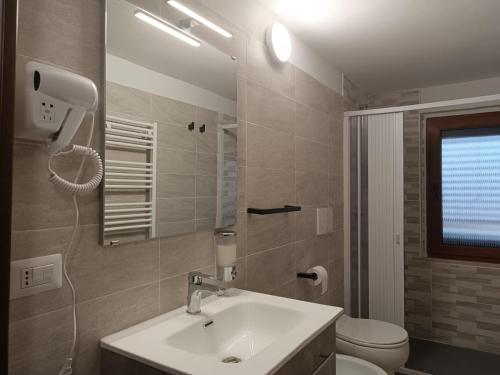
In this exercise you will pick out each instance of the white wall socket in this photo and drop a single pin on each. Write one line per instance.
(35, 275)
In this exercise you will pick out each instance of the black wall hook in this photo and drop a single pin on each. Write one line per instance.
(191, 127)
(202, 128)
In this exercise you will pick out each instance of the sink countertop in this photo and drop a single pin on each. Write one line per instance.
(264, 331)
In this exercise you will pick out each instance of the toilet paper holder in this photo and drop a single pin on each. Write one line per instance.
(308, 275)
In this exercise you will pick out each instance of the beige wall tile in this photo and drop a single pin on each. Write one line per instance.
(206, 186)
(203, 225)
(337, 245)
(175, 186)
(312, 188)
(338, 216)
(310, 156)
(70, 34)
(206, 142)
(179, 255)
(311, 92)
(176, 137)
(305, 223)
(175, 209)
(35, 199)
(38, 346)
(206, 164)
(173, 292)
(336, 122)
(311, 123)
(97, 271)
(267, 108)
(123, 101)
(206, 207)
(171, 111)
(336, 189)
(312, 252)
(242, 182)
(242, 98)
(208, 118)
(269, 148)
(336, 276)
(269, 231)
(242, 143)
(262, 70)
(267, 188)
(176, 161)
(175, 228)
(109, 314)
(336, 161)
(270, 269)
(287, 290)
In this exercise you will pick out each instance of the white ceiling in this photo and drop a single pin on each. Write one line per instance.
(396, 44)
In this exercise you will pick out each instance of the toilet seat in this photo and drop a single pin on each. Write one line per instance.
(371, 333)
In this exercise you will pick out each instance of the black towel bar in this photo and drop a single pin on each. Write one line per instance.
(269, 211)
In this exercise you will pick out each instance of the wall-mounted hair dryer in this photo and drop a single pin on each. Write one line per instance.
(56, 102)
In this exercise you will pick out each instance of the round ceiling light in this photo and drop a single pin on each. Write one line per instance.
(278, 42)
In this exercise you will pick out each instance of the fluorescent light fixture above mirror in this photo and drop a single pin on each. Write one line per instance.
(165, 27)
(195, 16)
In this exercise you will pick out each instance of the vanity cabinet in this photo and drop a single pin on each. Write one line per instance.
(316, 358)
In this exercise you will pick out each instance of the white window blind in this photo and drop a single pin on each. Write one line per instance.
(471, 188)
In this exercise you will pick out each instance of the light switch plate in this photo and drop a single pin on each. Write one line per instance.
(324, 220)
(35, 275)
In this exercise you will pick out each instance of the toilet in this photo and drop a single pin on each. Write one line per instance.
(384, 344)
(347, 365)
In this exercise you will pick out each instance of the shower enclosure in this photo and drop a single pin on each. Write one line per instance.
(374, 217)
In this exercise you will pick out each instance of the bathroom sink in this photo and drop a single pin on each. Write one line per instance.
(243, 332)
(240, 331)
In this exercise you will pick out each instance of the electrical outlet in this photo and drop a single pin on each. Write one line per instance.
(47, 111)
(26, 278)
(35, 275)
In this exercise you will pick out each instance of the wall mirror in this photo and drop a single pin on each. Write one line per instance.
(171, 132)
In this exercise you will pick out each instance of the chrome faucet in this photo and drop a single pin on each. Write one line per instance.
(199, 283)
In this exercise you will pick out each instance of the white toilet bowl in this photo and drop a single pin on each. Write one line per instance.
(384, 344)
(347, 365)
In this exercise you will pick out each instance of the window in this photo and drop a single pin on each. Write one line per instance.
(463, 187)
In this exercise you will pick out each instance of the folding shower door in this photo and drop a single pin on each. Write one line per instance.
(375, 244)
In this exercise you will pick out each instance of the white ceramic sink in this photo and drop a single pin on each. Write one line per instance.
(260, 331)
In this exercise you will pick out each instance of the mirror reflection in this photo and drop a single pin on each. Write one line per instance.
(170, 135)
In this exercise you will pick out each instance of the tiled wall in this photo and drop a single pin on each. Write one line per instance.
(448, 301)
(186, 160)
(290, 151)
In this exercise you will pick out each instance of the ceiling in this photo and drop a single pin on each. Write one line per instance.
(132, 39)
(385, 45)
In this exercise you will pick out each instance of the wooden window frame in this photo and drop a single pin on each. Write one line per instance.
(434, 128)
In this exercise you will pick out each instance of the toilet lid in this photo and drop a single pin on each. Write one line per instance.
(369, 332)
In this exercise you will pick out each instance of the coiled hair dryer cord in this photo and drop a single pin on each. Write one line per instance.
(75, 188)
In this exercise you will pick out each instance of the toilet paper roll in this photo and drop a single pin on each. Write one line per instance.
(322, 277)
